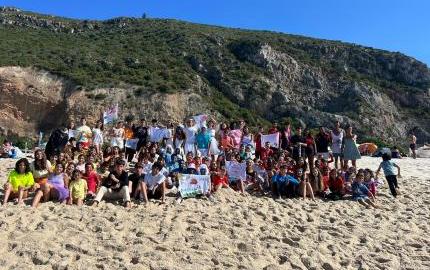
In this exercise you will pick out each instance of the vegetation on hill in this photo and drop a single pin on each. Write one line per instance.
(158, 55)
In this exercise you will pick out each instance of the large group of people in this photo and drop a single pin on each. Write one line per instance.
(86, 165)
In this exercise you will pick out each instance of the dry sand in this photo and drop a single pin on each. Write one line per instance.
(233, 233)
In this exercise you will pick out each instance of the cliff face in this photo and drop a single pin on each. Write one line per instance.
(171, 70)
(34, 100)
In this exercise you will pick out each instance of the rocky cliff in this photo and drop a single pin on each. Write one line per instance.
(55, 68)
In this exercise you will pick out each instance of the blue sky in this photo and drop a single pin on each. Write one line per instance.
(395, 25)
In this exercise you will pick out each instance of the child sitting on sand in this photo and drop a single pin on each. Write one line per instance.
(388, 166)
(360, 192)
(369, 181)
(336, 184)
(81, 163)
(220, 179)
(77, 188)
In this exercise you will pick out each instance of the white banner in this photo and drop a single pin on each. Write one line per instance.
(200, 120)
(191, 185)
(73, 133)
(273, 139)
(110, 115)
(236, 170)
(131, 143)
(157, 134)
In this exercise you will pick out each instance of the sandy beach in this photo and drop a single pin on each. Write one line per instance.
(235, 232)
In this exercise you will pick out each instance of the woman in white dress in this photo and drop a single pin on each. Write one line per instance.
(98, 136)
(190, 131)
(118, 136)
(168, 136)
(213, 144)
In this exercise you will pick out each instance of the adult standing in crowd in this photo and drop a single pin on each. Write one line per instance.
(98, 137)
(85, 134)
(56, 143)
(141, 133)
(71, 129)
(128, 135)
(117, 134)
(413, 145)
(285, 136)
(350, 149)
(322, 141)
(337, 136)
(190, 131)
(298, 144)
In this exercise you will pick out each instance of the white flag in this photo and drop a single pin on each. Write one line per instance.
(110, 115)
(273, 139)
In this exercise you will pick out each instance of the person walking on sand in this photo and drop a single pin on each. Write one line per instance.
(388, 167)
(413, 145)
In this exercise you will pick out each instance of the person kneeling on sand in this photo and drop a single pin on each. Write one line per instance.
(154, 184)
(19, 181)
(115, 186)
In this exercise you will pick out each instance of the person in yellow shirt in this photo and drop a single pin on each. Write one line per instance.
(78, 189)
(19, 181)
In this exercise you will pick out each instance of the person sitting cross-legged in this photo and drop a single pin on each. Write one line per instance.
(115, 186)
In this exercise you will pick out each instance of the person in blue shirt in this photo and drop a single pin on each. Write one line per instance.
(281, 181)
(388, 167)
(203, 139)
(361, 193)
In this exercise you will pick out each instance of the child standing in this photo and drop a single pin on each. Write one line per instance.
(388, 166)
(77, 188)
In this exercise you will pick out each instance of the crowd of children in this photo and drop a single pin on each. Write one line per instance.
(89, 168)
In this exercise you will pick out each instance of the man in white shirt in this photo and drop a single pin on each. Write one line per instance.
(154, 184)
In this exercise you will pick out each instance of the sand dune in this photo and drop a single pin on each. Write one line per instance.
(235, 232)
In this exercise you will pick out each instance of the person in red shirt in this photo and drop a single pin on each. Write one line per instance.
(220, 179)
(92, 179)
(274, 128)
(226, 142)
(266, 152)
(257, 139)
(325, 179)
(336, 184)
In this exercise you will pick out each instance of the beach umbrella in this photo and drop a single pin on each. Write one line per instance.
(367, 148)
